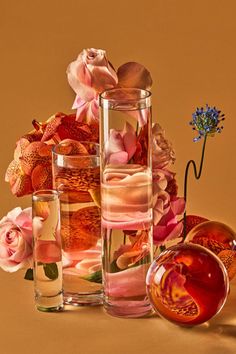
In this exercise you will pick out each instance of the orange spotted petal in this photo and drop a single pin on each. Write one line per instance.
(31, 157)
(21, 185)
(45, 150)
(42, 177)
(228, 257)
(12, 170)
(71, 129)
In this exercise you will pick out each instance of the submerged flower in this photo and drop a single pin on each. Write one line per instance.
(83, 263)
(128, 206)
(127, 283)
(206, 121)
(121, 145)
(129, 255)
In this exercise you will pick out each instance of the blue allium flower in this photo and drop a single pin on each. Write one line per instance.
(206, 121)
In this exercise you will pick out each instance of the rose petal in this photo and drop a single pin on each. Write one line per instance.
(127, 283)
(79, 79)
(129, 140)
(120, 157)
(161, 234)
(47, 252)
(132, 75)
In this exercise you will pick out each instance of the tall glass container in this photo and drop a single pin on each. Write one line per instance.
(126, 199)
(76, 175)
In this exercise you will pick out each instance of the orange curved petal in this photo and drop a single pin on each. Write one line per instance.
(51, 126)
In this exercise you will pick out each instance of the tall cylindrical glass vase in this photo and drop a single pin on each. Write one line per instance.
(126, 199)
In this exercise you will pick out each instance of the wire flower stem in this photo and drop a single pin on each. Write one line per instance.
(197, 175)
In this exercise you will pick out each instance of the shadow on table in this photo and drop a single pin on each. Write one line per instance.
(225, 322)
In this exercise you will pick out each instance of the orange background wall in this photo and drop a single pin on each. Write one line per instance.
(189, 47)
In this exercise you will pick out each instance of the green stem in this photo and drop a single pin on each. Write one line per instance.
(109, 245)
(124, 240)
(197, 176)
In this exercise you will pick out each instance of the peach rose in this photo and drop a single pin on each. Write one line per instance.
(90, 74)
(162, 151)
(16, 240)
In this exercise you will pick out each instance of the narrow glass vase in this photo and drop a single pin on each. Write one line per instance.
(126, 199)
(47, 251)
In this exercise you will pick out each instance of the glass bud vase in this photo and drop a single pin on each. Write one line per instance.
(126, 199)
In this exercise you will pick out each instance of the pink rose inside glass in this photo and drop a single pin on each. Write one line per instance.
(187, 284)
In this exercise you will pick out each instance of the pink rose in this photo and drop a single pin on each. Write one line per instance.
(90, 74)
(121, 145)
(167, 206)
(169, 227)
(16, 240)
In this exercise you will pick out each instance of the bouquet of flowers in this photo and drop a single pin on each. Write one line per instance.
(89, 75)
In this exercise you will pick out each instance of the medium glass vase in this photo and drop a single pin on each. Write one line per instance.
(126, 199)
(76, 176)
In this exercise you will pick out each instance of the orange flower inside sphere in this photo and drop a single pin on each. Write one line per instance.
(218, 238)
(187, 284)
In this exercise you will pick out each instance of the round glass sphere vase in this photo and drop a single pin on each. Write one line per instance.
(187, 284)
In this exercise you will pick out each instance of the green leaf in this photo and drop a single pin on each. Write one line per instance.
(95, 277)
(29, 275)
(51, 270)
(114, 268)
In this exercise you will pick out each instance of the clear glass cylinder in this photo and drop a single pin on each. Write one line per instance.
(47, 251)
(126, 199)
(76, 175)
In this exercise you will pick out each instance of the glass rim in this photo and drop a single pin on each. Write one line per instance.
(77, 155)
(45, 192)
(148, 94)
